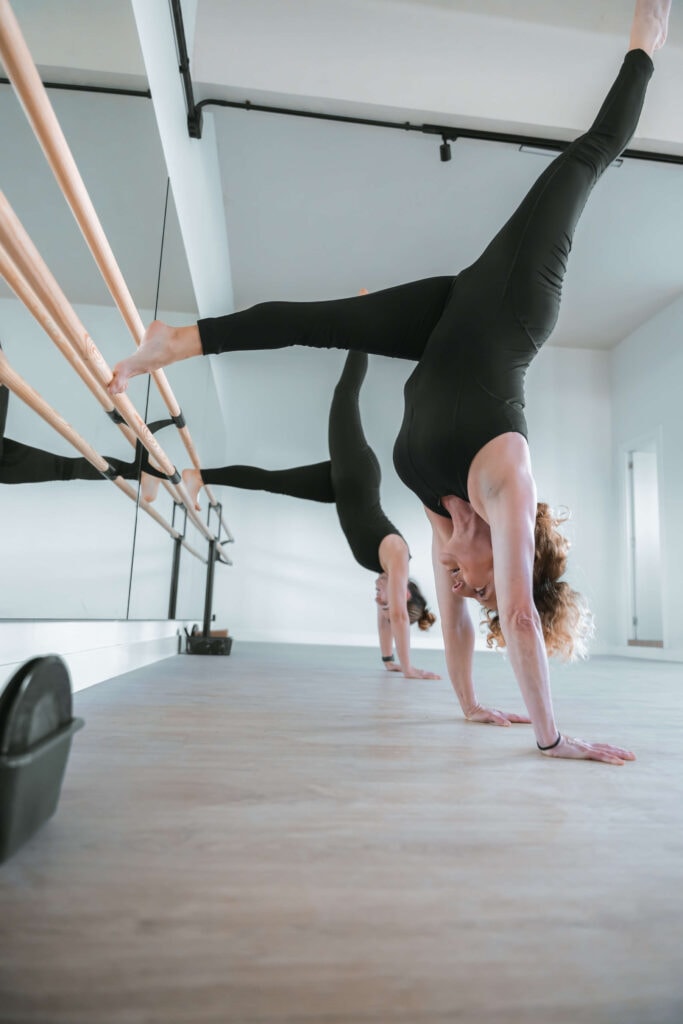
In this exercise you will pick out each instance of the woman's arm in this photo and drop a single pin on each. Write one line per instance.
(511, 513)
(386, 640)
(458, 636)
(394, 556)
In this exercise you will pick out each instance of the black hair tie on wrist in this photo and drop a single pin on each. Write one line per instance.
(552, 745)
(389, 657)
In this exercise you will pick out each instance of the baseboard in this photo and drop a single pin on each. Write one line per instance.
(644, 653)
(93, 650)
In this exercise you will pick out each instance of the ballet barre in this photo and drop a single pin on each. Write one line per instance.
(23, 74)
(28, 297)
(22, 254)
(27, 394)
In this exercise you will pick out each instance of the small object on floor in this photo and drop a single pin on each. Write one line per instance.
(217, 642)
(36, 727)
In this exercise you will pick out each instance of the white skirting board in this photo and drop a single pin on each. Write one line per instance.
(93, 650)
(645, 653)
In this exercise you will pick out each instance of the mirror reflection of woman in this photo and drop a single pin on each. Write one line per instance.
(462, 447)
(350, 479)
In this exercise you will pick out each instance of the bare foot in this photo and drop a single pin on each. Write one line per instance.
(650, 25)
(192, 479)
(160, 346)
(149, 487)
(149, 356)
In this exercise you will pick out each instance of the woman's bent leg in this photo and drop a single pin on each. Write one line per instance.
(393, 322)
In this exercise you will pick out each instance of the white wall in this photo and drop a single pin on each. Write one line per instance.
(646, 375)
(568, 414)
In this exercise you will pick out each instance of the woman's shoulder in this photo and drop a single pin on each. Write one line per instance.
(502, 465)
(393, 552)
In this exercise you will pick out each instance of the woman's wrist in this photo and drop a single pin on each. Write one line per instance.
(551, 746)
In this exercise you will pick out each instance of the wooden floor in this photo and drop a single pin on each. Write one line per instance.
(293, 835)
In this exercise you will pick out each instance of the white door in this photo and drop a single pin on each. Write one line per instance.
(646, 570)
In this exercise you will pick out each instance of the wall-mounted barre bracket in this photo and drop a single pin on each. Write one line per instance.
(177, 504)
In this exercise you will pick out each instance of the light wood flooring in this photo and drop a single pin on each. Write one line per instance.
(291, 835)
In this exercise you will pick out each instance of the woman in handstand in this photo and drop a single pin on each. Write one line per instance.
(462, 446)
(350, 479)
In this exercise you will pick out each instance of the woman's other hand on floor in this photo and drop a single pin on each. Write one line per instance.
(491, 716)
(420, 673)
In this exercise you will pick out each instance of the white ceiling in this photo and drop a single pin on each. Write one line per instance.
(316, 209)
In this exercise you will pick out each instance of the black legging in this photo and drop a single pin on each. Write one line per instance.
(22, 464)
(474, 335)
(351, 478)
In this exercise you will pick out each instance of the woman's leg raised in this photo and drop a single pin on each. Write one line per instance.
(525, 263)
(356, 473)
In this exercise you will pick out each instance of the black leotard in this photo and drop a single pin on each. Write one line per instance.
(351, 478)
(474, 335)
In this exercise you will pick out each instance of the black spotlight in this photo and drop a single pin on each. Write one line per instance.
(445, 150)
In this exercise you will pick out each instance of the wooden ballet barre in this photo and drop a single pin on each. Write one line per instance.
(28, 297)
(24, 255)
(23, 74)
(19, 387)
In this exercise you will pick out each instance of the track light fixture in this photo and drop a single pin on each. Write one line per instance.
(445, 150)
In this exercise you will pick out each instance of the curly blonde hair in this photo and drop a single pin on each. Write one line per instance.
(566, 620)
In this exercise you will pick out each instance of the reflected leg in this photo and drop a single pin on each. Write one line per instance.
(312, 483)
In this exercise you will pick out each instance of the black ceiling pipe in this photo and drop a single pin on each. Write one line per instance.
(194, 114)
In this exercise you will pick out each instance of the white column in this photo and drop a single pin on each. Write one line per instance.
(192, 163)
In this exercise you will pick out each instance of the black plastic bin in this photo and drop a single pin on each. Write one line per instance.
(30, 784)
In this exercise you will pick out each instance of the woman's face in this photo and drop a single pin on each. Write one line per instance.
(485, 594)
(381, 591)
(471, 572)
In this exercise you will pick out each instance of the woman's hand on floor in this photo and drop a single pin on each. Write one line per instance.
(491, 716)
(420, 673)
(577, 749)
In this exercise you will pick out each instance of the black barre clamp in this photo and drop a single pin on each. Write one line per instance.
(115, 416)
(110, 473)
(179, 420)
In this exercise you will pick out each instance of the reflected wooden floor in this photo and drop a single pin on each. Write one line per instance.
(292, 835)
